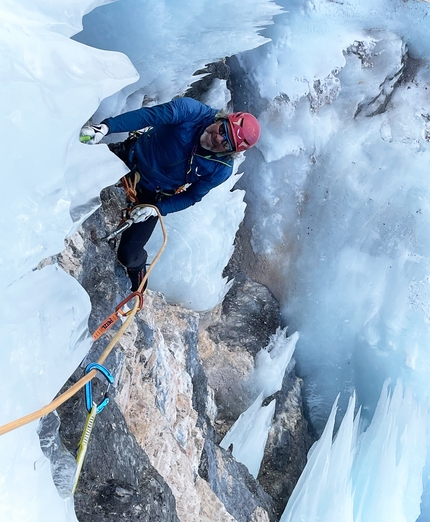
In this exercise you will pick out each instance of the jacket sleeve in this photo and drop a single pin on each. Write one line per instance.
(173, 112)
(193, 194)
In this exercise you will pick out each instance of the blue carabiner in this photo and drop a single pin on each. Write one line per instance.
(89, 389)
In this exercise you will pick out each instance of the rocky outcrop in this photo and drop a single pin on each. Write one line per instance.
(206, 76)
(247, 318)
(288, 443)
(370, 55)
(180, 383)
(118, 481)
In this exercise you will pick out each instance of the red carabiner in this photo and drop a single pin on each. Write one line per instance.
(127, 299)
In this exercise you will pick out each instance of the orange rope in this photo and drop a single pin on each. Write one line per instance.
(13, 425)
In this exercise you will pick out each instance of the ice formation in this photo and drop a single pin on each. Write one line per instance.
(342, 213)
(51, 85)
(247, 437)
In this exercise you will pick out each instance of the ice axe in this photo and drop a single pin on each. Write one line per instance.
(139, 214)
(126, 224)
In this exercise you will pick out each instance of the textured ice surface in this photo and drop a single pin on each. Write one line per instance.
(248, 435)
(370, 475)
(50, 86)
(200, 242)
(168, 41)
(348, 196)
(342, 213)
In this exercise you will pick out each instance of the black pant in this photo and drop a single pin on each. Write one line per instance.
(131, 252)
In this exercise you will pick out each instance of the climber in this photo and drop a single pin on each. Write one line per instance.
(187, 148)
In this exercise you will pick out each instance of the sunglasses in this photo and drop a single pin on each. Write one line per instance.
(226, 142)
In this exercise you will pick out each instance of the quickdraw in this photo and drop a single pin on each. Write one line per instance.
(113, 318)
(83, 445)
(89, 391)
(93, 410)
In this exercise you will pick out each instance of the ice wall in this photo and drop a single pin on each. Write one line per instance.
(342, 211)
(307, 42)
(168, 41)
(200, 242)
(50, 86)
(374, 475)
(343, 93)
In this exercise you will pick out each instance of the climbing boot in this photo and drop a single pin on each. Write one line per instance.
(136, 277)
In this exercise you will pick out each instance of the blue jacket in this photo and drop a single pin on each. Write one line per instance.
(167, 156)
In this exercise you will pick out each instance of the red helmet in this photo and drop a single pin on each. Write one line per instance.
(245, 130)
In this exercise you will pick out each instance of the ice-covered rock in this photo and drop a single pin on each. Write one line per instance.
(164, 395)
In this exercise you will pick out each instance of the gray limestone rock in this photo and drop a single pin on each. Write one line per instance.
(324, 92)
(117, 480)
(231, 481)
(249, 315)
(153, 454)
(288, 443)
(372, 54)
(212, 71)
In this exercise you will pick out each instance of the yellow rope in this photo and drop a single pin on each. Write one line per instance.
(13, 425)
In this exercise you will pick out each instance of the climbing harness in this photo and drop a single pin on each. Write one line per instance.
(129, 184)
(93, 410)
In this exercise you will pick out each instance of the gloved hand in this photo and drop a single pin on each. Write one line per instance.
(92, 134)
(140, 214)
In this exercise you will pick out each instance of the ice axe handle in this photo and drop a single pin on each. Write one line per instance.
(121, 228)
